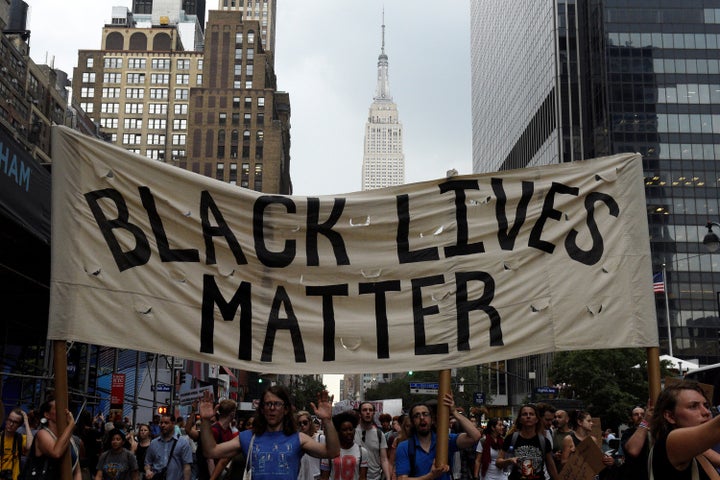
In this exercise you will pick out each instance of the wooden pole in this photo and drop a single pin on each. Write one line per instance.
(653, 368)
(61, 401)
(443, 420)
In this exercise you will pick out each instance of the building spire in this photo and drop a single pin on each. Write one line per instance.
(382, 91)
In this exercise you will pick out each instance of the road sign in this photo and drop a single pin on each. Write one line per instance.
(479, 398)
(160, 387)
(547, 390)
(424, 388)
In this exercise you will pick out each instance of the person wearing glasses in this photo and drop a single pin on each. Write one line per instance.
(415, 456)
(14, 444)
(277, 446)
(309, 466)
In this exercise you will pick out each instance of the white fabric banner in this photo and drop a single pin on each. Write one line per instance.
(425, 276)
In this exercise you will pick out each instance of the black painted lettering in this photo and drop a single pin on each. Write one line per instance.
(381, 321)
(124, 260)
(506, 238)
(327, 292)
(241, 298)
(208, 206)
(419, 314)
(403, 232)
(462, 247)
(167, 254)
(314, 228)
(276, 323)
(592, 256)
(465, 306)
(548, 211)
(268, 258)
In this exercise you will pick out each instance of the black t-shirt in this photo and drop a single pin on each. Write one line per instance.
(531, 457)
(663, 469)
(634, 467)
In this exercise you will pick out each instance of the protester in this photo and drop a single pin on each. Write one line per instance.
(635, 444)
(141, 445)
(352, 463)
(683, 429)
(168, 453)
(116, 462)
(415, 456)
(372, 438)
(52, 444)
(488, 450)
(277, 445)
(14, 444)
(309, 466)
(528, 453)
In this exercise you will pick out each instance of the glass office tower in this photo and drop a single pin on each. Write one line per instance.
(564, 80)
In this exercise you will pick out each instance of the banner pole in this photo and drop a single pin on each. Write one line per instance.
(61, 401)
(653, 368)
(443, 420)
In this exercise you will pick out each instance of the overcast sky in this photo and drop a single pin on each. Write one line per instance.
(326, 58)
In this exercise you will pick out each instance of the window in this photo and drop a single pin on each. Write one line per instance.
(222, 118)
(259, 136)
(160, 78)
(236, 102)
(157, 123)
(134, 93)
(111, 77)
(200, 64)
(178, 154)
(250, 53)
(183, 64)
(238, 54)
(159, 93)
(238, 38)
(158, 108)
(251, 37)
(109, 108)
(113, 62)
(135, 123)
(180, 124)
(238, 69)
(246, 118)
(133, 108)
(179, 139)
(261, 119)
(181, 109)
(108, 92)
(198, 80)
(88, 77)
(258, 177)
(137, 63)
(237, 84)
(261, 102)
(132, 138)
(155, 154)
(182, 79)
(220, 171)
(245, 175)
(87, 92)
(135, 78)
(182, 94)
(235, 118)
(155, 139)
(89, 62)
(233, 173)
(87, 107)
(248, 85)
(249, 70)
(160, 64)
(248, 102)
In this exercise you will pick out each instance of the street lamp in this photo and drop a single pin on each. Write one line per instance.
(711, 241)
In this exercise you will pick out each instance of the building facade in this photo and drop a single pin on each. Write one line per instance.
(264, 11)
(240, 123)
(383, 159)
(563, 80)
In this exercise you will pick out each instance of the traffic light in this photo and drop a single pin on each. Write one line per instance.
(162, 410)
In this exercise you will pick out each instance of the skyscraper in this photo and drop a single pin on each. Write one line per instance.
(564, 80)
(383, 159)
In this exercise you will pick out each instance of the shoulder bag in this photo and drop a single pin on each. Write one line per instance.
(248, 464)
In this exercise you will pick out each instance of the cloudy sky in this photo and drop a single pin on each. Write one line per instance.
(326, 58)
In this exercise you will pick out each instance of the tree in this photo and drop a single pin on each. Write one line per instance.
(606, 381)
(304, 389)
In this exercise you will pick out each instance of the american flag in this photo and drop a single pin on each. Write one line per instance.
(658, 283)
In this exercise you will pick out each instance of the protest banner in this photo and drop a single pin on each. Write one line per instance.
(425, 276)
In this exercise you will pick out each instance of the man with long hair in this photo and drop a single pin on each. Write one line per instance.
(274, 446)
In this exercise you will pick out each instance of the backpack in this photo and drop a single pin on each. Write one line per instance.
(543, 442)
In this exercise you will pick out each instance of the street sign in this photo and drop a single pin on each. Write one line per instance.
(187, 397)
(479, 398)
(547, 390)
(160, 387)
(424, 388)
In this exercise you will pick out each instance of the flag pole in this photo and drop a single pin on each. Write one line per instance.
(667, 310)
(443, 420)
(653, 370)
(61, 401)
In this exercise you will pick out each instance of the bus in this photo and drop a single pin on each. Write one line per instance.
(709, 375)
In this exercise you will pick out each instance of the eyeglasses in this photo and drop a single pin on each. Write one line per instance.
(14, 422)
(304, 423)
(419, 415)
(271, 405)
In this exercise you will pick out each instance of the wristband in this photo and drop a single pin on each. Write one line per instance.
(643, 424)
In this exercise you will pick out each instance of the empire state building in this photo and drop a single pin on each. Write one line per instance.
(383, 159)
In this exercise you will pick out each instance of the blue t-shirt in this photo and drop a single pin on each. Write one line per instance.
(274, 456)
(423, 460)
(159, 450)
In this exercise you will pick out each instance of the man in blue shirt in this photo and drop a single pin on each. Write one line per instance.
(169, 451)
(414, 459)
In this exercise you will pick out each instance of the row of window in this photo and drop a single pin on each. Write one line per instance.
(141, 63)
(137, 108)
(136, 93)
(691, 93)
(691, 41)
(136, 139)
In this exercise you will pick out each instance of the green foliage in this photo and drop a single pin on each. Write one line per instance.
(604, 380)
(304, 389)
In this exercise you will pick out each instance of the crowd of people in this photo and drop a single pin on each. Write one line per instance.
(677, 439)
